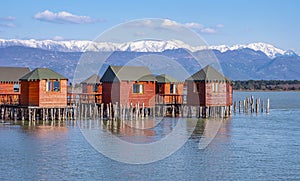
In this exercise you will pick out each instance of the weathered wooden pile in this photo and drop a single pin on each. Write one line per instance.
(251, 105)
(110, 112)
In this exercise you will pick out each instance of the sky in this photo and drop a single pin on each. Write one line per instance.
(218, 22)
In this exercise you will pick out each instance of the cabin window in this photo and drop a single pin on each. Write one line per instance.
(173, 89)
(215, 87)
(138, 88)
(159, 88)
(197, 87)
(53, 85)
(16, 87)
(95, 88)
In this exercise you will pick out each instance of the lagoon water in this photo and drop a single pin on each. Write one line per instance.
(247, 147)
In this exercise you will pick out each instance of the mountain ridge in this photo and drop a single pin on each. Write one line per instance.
(240, 64)
(138, 46)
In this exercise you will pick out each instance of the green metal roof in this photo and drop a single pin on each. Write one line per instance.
(94, 79)
(208, 74)
(12, 74)
(41, 74)
(164, 78)
(127, 73)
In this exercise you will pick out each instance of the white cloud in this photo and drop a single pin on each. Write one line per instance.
(209, 30)
(63, 17)
(8, 25)
(140, 23)
(7, 22)
(58, 38)
(220, 26)
(202, 29)
(194, 25)
(7, 18)
(199, 28)
(168, 22)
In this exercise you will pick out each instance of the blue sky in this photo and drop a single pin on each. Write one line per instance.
(218, 22)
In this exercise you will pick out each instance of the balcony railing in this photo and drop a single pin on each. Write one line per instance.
(84, 98)
(9, 99)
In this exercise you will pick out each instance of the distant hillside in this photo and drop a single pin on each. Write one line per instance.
(237, 63)
(264, 85)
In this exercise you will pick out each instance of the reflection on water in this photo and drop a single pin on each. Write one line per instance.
(147, 140)
(246, 147)
(151, 130)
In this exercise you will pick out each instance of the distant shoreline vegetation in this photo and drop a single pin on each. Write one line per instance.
(266, 85)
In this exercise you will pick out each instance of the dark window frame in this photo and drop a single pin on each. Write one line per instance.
(136, 88)
(51, 86)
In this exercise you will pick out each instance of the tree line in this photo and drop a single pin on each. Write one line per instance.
(267, 85)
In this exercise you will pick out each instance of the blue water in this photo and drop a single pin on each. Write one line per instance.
(247, 147)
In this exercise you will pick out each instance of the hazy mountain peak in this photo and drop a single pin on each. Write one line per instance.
(136, 46)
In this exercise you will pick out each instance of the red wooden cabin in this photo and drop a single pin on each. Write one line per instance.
(208, 87)
(168, 90)
(43, 87)
(92, 85)
(10, 85)
(91, 90)
(128, 85)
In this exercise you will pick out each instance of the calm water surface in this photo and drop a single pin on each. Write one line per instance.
(247, 147)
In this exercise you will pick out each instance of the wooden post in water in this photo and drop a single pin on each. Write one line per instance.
(158, 110)
(85, 111)
(252, 104)
(130, 112)
(234, 107)
(110, 111)
(75, 111)
(206, 112)
(29, 114)
(52, 114)
(268, 106)
(173, 111)
(115, 108)
(15, 114)
(90, 111)
(107, 111)
(143, 111)
(257, 105)
(59, 114)
(22, 114)
(101, 111)
(137, 111)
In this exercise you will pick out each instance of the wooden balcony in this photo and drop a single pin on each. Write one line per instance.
(84, 98)
(9, 99)
(173, 99)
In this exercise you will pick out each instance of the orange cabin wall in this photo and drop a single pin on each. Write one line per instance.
(230, 92)
(7, 94)
(121, 92)
(89, 88)
(206, 97)
(218, 98)
(52, 98)
(8, 88)
(30, 93)
(165, 89)
(196, 98)
(111, 92)
(34, 94)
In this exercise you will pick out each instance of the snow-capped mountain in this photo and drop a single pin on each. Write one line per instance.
(238, 62)
(136, 46)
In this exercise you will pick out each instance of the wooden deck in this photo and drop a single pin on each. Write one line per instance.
(170, 99)
(9, 99)
(84, 98)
